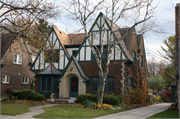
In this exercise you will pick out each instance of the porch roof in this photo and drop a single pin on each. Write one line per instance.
(50, 69)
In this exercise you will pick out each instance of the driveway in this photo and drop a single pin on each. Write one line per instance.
(139, 113)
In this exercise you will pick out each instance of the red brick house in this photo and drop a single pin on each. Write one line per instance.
(15, 64)
(72, 70)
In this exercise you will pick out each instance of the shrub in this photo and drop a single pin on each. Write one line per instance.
(166, 96)
(110, 99)
(89, 104)
(81, 98)
(120, 97)
(27, 94)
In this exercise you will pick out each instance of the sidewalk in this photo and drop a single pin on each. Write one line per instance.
(29, 115)
(139, 113)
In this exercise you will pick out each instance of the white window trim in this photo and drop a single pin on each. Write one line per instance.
(17, 59)
(23, 80)
(6, 80)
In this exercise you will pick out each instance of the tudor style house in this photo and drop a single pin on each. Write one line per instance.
(71, 69)
(15, 64)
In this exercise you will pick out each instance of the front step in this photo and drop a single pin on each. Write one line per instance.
(61, 100)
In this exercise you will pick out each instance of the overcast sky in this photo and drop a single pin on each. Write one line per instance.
(164, 15)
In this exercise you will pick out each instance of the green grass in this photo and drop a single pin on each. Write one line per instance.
(74, 112)
(166, 114)
(13, 109)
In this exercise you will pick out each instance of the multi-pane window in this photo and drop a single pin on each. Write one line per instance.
(104, 53)
(141, 60)
(130, 83)
(51, 56)
(25, 80)
(46, 83)
(17, 59)
(109, 87)
(6, 79)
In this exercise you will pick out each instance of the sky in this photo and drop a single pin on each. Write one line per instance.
(164, 16)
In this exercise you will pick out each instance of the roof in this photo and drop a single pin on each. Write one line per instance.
(118, 35)
(76, 38)
(50, 69)
(81, 72)
(127, 40)
(6, 41)
(173, 83)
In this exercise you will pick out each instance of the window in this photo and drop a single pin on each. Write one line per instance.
(130, 83)
(25, 80)
(6, 79)
(109, 87)
(74, 52)
(52, 56)
(141, 60)
(17, 59)
(45, 84)
(104, 54)
(134, 55)
(95, 83)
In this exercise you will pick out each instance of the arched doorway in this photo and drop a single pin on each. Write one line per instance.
(73, 87)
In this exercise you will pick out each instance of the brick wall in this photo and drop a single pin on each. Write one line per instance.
(13, 69)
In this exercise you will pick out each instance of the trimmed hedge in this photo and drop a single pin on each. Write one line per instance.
(108, 99)
(27, 94)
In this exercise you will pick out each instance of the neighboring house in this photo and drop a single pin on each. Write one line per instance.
(15, 64)
(72, 70)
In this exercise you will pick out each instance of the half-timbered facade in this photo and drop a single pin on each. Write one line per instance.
(67, 67)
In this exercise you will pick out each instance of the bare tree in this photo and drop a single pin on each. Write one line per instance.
(139, 12)
(155, 68)
(17, 15)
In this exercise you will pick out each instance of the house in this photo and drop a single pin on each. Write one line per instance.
(15, 64)
(72, 70)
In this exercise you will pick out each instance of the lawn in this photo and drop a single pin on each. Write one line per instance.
(74, 112)
(166, 114)
(13, 109)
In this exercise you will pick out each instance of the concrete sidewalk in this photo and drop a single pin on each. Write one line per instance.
(28, 115)
(139, 113)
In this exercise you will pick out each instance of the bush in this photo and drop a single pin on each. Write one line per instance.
(166, 96)
(27, 94)
(108, 99)
(89, 104)
(120, 97)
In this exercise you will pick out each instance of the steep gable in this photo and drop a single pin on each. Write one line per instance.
(55, 43)
(97, 37)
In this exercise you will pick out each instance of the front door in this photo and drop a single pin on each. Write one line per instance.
(74, 87)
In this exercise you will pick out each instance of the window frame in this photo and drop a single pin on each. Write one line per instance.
(130, 83)
(141, 60)
(106, 86)
(104, 53)
(18, 59)
(46, 84)
(134, 55)
(25, 80)
(6, 80)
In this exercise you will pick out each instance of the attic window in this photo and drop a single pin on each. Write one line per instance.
(60, 32)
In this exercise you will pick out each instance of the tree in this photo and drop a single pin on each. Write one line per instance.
(17, 15)
(155, 68)
(156, 83)
(169, 53)
(138, 11)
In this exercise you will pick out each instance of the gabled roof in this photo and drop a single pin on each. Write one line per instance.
(118, 35)
(6, 41)
(127, 40)
(50, 69)
(76, 38)
(81, 72)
